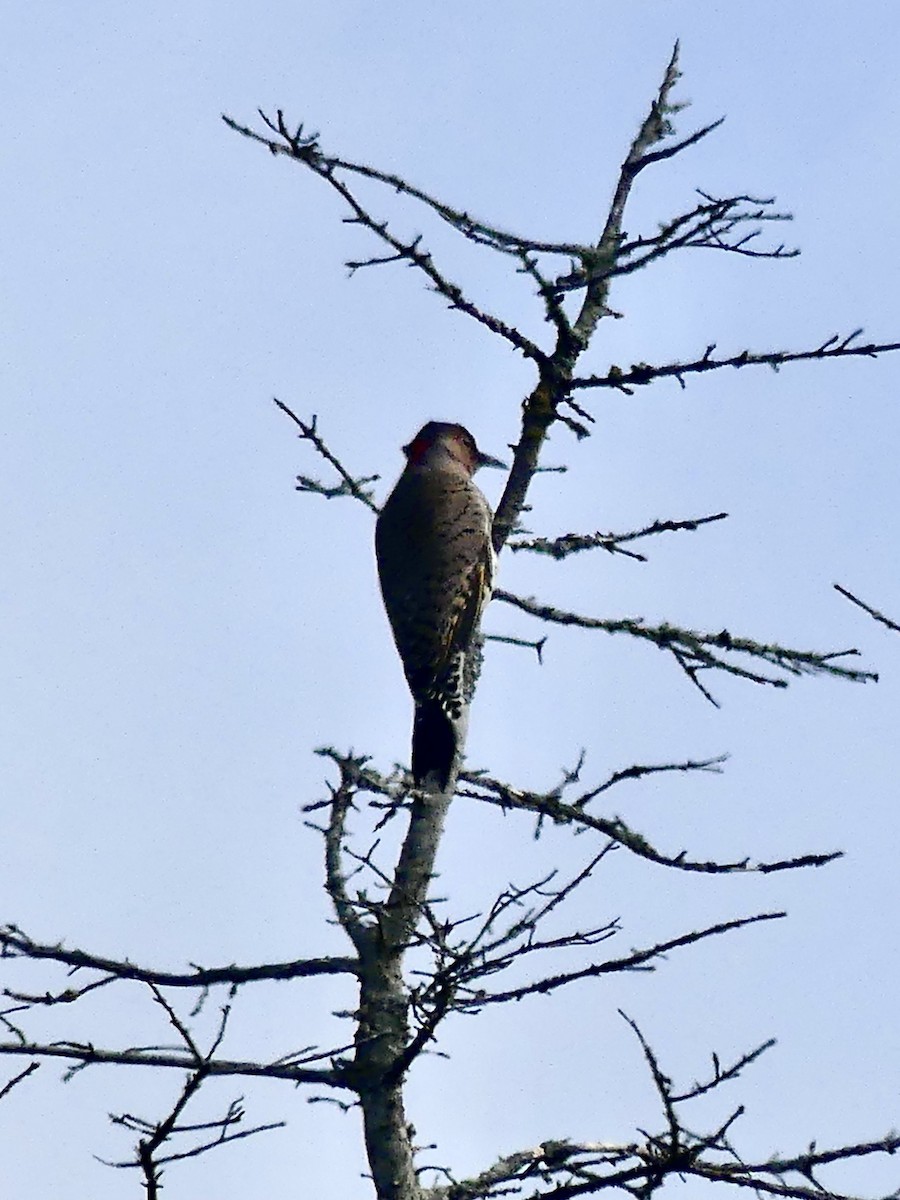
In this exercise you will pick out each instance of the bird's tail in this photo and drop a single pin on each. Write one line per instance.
(435, 739)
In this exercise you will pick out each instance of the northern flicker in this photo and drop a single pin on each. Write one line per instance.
(436, 567)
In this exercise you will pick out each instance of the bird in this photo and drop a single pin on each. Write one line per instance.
(436, 569)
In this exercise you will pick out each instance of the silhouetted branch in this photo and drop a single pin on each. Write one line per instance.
(391, 793)
(347, 912)
(537, 647)
(716, 224)
(306, 150)
(225, 1126)
(573, 543)
(493, 948)
(639, 770)
(711, 223)
(84, 1055)
(539, 1165)
(17, 1079)
(599, 264)
(549, 805)
(471, 228)
(563, 1169)
(694, 651)
(720, 1074)
(551, 296)
(461, 964)
(873, 612)
(802, 1164)
(16, 944)
(349, 485)
(637, 960)
(643, 373)
(156, 1134)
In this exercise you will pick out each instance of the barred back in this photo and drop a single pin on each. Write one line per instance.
(436, 565)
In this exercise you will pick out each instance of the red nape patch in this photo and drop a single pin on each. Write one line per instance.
(417, 448)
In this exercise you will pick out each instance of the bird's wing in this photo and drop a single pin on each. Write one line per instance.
(465, 611)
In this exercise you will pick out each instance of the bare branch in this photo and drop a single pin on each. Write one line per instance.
(639, 770)
(155, 1135)
(68, 995)
(471, 228)
(147, 1147)
(723, 1076)
(383, 1042)
(234, 1115)
(695, 651)
(715, 224)
(642, 373)
(550, 806)
(16, 1079)
(573, 543)
(550, 294)
(801, 1163)
(492, 950)
(349, 485)
(537, 647)
(335, 883)
(87, 1055)
(638, 959)
(306, 150)
(182, 1030)
(535, 1165)
(873, 612)
(662, 1082)
(16, 944)
(564, 1170)
(492, 791)
(598, 264)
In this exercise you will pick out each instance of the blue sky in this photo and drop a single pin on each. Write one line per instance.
(182, 629)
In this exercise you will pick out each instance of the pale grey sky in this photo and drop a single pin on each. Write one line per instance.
(181, 629)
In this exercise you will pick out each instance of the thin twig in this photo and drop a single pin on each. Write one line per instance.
(873, 612)
(638, 959)
(306, 150)
(492, 791)
(642, 373)
(573, 543)
(695, 651)
(349, 485)
(16, 1079)
(87, 1055)
(15, 943)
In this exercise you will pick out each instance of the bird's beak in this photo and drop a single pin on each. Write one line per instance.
(485, 460)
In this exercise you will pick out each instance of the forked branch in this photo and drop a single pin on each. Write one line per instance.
(564, 1170)
(696, 651)
(305, 149)
(641, 374)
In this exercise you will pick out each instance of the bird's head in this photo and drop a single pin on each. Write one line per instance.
(442, 444)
